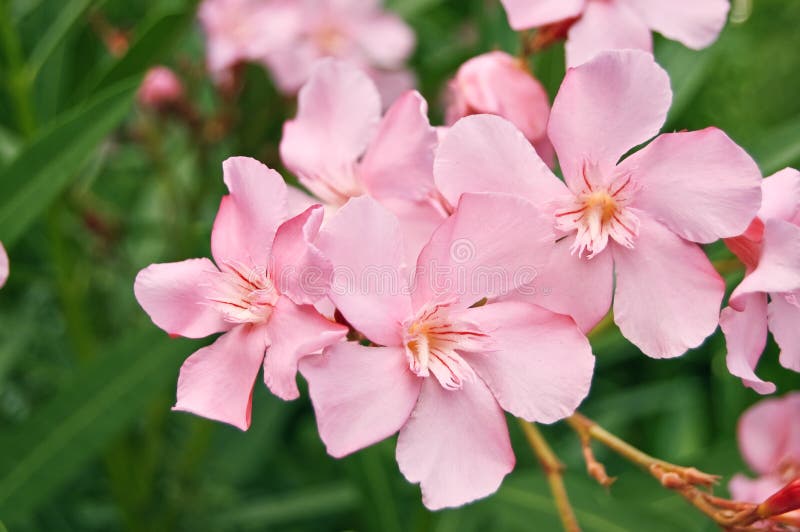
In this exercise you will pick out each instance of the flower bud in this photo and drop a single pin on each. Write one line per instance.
(499, 84)
(161, 88)
(784, 501)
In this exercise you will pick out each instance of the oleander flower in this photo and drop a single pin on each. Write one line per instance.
(598, 25)
(245, 31)
(359, 31)
(446, 358)
(4, 269)
(160, 88)
(289, 36)
(769, 440)
(499, 84)
(769, 296)
(639, 219)
(260, 293)
(339, 147)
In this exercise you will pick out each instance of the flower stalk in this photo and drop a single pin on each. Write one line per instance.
(689, 482)
(553, 469)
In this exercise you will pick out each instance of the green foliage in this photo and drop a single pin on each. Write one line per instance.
(92, 189)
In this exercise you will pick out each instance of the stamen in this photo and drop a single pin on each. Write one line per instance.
(242, 294)
(433, 340)
(600, 212)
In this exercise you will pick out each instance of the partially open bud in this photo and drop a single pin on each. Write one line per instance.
(160, 89)
(784, 501)
(499, 84)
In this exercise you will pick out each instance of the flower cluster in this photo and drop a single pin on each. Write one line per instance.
(288, 36)
(435, 278)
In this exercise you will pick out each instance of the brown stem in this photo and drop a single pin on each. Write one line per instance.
(553, 469)
(731, 515)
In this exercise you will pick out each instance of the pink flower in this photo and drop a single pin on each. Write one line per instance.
(160, 88)
(358, 31)
(770, 249)
(3, 266)
(769, 440)
(245, 30)
(498, 84)
(259, 294)
(618, 24)
(639, 219)
(442, 368)
(289, 36)
(340, 147)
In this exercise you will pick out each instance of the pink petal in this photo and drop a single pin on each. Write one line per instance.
(767, 437)
(695, 24)
(497, 83)
(455, 445)
(361, 395)
(755, 490)
(590, 35)
(700, 184)
(541, 366)
(668, 294)
(298, 201)
(485, 153)
(472, 255)
(606, 107)
(295, 331)
(216, 382)
(172, 294)
(364, 243)
(291, 67)
(744, 324)
(778, 267)
(385, 39)
(392, 84)
(574, 286)
(784, 318)
(3, 265)
(337, 115)
(298, 268)
(418, 220)
(525, 14)
(781, 199)
(249, 217)
(239, 30)
(399, 161)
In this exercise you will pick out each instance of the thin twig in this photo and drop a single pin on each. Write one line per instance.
(730, 515)
(553, 469)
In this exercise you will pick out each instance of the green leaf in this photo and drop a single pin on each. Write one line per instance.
(153, 43)
(526, 498)
(688, 71)
(70, 13)
(102, 399)
(779, 147)
(311, 503)
(42, 169)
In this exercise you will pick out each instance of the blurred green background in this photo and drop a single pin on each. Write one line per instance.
(92, 189)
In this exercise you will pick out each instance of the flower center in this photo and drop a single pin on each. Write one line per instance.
(242, 294)
(433, 340)
(329, 40)
(598, 212)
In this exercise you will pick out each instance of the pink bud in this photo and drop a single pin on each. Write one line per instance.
(160, 88)
(499, 84)
(784, 501)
